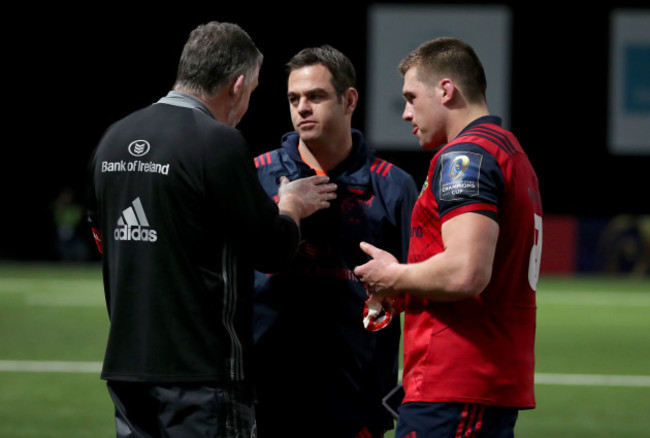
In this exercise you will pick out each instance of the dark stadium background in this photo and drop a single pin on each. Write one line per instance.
(70, 72)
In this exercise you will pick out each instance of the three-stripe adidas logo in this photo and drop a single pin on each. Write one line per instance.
(133, 225)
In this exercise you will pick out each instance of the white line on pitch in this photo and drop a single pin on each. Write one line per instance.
(591, 380)
(540, 378)
(39, 366)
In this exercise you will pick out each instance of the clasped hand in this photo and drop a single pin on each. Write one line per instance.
(378, 274)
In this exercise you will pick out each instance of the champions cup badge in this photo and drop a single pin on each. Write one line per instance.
(458, 166)
(460, 178)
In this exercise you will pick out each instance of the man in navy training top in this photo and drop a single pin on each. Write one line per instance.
(311, 346)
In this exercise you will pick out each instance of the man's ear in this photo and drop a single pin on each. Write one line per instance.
(447, 89)
(350, 99)
(237, 87)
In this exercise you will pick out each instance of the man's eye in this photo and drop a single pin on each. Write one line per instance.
(317, 97)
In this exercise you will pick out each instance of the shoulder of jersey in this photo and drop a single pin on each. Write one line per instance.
(380, 167)
(384, 168)
(266, 158)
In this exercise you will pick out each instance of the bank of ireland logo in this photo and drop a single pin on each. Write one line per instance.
(458, 166)
(133, 225)
(139, 148)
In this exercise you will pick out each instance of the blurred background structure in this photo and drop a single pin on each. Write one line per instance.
(573, 83)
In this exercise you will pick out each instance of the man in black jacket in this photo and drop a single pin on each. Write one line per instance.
(182, 222)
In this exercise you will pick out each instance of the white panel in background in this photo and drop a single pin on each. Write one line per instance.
(396, 29)
(629, 83)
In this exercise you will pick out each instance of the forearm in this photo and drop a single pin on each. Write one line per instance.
(463, 269)
(441, 278)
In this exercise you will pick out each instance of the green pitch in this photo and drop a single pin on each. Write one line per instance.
(593, 356)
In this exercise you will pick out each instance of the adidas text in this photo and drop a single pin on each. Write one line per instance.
(136, 233)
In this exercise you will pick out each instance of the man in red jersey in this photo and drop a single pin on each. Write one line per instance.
(476, 234)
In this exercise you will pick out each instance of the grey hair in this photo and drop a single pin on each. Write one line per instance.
(214, 54)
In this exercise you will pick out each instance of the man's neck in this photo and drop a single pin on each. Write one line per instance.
(219, 104)
(468, 116)
(325, 156)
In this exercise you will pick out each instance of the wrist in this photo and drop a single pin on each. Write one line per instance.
(289, 209)
(397, 274)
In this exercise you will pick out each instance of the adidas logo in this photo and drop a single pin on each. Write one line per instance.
(133, 225)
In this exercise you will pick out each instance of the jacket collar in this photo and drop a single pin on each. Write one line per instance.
(353, 173)
(177, 98)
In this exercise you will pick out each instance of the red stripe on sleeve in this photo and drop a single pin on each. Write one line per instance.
(385, 172)
(263, 159)
(477, 206)
(381, 166)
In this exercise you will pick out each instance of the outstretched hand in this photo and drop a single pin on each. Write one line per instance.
(305, 196)
(378, 274)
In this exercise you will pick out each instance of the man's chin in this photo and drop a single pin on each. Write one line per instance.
(429, 144)
(307, 134)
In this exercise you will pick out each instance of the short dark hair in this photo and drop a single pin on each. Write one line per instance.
(214, 54)
(452, 58)
(343, 73)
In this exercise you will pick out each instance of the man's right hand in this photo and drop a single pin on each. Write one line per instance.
(305, 196)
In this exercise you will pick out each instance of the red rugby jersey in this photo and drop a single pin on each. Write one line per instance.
(478, 350)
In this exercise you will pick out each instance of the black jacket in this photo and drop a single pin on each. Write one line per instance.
(184, 221)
